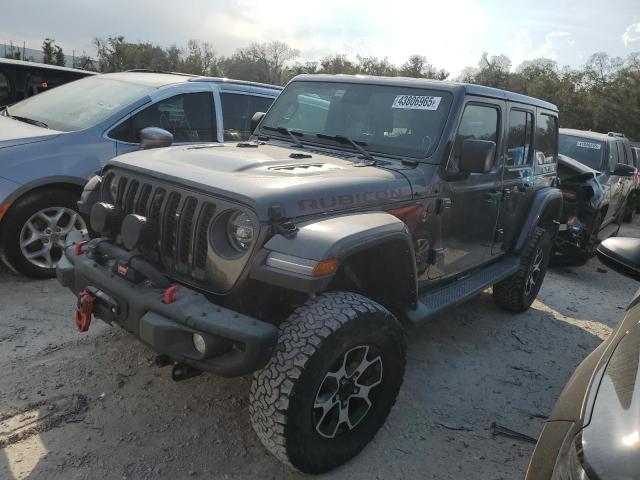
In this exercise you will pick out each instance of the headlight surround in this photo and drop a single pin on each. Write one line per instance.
(240, 231)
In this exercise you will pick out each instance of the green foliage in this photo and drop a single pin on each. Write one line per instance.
(604, 95)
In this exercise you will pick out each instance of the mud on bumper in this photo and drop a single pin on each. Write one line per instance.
(236, 344)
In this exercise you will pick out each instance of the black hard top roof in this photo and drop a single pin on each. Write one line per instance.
(453, 87)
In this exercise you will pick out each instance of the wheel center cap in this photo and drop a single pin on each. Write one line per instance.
(347, 387)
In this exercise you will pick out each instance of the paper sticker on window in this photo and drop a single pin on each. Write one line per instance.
(416, 102)
(593, 146)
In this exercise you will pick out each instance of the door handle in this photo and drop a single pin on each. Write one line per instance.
(493, 196)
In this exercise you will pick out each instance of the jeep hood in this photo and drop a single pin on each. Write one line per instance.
(14, 132)
(301, 181)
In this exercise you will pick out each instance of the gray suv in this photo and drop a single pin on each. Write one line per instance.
(50, 144)
(362, 204)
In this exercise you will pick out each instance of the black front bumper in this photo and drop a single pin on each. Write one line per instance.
(236, 343)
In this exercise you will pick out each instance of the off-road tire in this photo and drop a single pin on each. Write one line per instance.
(16, 218)
(312, 339)
(511, 292)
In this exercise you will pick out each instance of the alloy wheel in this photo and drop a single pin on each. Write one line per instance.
(43, 236)
(345, 395)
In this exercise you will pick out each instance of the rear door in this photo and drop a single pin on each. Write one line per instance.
(517, 172)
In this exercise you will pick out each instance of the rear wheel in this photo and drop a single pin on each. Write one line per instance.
(517, 292)
(331, 383)
(36, 229)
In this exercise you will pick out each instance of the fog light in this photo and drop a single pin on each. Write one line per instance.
(199, 343)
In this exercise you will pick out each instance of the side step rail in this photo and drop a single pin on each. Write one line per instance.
(458, 291)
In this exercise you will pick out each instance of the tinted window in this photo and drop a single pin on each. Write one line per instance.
(259, 104)
(519, 139)
(478, 122)
(395, 120)
(235, 116)
(546, 140)
(4, 89)
(614, 158)
(585, 150)
(237, 111)
(80, 104)
(189, 117)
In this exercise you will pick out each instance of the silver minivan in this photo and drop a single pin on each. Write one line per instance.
(51, 143)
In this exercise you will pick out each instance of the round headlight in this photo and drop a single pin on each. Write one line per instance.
(240, 230)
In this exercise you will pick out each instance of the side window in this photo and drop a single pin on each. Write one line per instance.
(479, 122)
(613, 156)
(519, 138)
(4, 89)
(622, 152)
(546, 140)
(235, 116)
(259, 104)
(189, 117)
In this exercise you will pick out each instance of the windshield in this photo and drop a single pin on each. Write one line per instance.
(393, 120)
(80, 104)
(585, 150)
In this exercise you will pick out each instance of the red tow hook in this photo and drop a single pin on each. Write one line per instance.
(84, 310)
(170, 294)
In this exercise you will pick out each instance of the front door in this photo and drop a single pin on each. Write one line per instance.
(470, 202)
(189, 117)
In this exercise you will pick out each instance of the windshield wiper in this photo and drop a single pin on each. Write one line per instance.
(26, 120)
(342, 139)
(292, 134)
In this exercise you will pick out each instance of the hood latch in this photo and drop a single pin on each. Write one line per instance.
(281, 225)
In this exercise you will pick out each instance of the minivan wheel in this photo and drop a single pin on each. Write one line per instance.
(35, 231)
(331, 382)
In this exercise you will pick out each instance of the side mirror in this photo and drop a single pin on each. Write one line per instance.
(477, 156)
(622, 170)
(255, 121)
(154, 137)
(622, 255)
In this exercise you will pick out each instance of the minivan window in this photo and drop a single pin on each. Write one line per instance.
(546, 140)
(237, 111)
(479, 122)
(386, 119)
(80, 104)
(189, 117)
(587, 151)
(519, 138)
(4, 89)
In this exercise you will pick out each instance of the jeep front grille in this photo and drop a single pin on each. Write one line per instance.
(182, 219)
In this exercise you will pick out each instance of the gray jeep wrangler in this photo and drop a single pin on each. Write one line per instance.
(361, 206)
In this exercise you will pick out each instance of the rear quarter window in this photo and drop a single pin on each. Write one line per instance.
(546, 139)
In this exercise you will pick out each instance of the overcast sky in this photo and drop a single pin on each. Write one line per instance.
(452, 34)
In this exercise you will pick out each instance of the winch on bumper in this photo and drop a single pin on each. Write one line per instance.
(230, 343)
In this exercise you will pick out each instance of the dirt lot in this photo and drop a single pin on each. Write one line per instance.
(86, 406)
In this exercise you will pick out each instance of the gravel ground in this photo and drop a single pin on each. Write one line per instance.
(86, 406)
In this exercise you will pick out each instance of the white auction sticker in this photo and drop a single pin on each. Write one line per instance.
(593, 146)
(416, 102)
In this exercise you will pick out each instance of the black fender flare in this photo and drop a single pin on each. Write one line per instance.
(546, 205)
(340, 238)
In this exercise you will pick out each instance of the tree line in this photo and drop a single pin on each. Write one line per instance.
(603, 95)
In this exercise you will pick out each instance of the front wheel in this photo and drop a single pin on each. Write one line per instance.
(517, 292)
(36, 229)
(331, 383)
